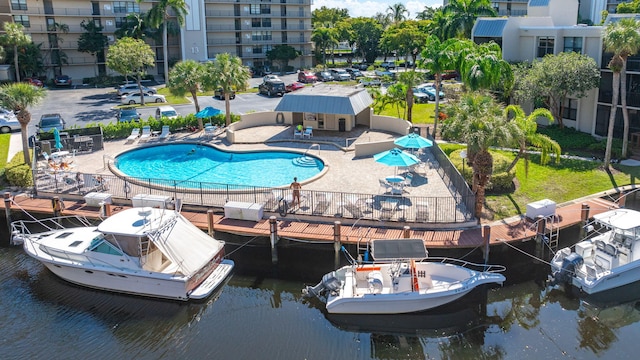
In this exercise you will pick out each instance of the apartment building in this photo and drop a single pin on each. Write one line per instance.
(550, 28)
(245, 28)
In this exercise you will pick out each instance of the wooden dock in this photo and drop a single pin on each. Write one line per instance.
(509, 230)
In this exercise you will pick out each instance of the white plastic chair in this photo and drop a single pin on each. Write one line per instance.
(135, 133)
(308, 132)
(165, 133)
(146, 133)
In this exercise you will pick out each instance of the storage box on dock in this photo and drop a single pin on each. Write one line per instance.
(543, 207)
(95, 198)
(157, 201)
(243, 210)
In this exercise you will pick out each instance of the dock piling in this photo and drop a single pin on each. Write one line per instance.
(210, 222)
(273, 230)
(406, 231)
(486, 235)
(7, 209)
(337, 243)
(57, 206)
(584, 218)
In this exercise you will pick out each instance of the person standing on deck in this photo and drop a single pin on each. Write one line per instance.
(296, 186)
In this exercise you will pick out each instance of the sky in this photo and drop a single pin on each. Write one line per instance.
(369, 8)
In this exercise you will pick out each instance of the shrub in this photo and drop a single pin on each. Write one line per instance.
(568, 138)
(18, 173)
(601, 147)
(501, 182)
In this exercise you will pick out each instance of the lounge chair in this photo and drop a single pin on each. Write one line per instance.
(210, 130)
(322, 203)
(422, 210)
(298, 133)
(308, 132)
(165, 133)
(385, 186)
(146, 133)
(135, 133)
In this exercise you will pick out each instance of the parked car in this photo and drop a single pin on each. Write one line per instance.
(370, 81)
(270, 77)
(340, 75)
(388, 65)
(430, 91)
(62, 80)
(362, 66)
(133, 88)
(219, 94)
(294, 86)
(272, 87)
(306, 77)
(48, 122)
(355, 73)
(166, 111)
(448, 75)
(385, 73)
(133, 98)
(8, 121)
(420, 96)
(34, 81)
(127, 115)
(324, 76)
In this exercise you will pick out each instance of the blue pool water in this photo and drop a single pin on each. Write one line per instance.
(192, 164)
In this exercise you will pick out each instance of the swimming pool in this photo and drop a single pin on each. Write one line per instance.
(190, 164)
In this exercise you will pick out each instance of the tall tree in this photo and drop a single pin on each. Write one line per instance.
(325, 15)
(530, 136)
(14, 36)
(188, 76)
(159, 17)
(131, 56)
(398, 13)
(282, 54)
(479, 121)
(324, 38)
(481, 66)
(405, 38)
(366, 32)
(426, 14)
(553, 78)
(437, 57)
(228, 73)
(623, 39)
(19, 97)
(410, 79)
(464, 14)
(135, 26)
(92, 41)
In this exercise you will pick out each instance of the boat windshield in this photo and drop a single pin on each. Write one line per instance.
(99, 244)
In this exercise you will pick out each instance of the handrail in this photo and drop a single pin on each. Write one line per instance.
(486, 268)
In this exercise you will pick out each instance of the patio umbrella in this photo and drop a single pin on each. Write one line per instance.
(208, 112)
(56, 136)
(396, 157)
(413, 141)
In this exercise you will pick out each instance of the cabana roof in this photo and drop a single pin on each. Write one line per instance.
(326, 99)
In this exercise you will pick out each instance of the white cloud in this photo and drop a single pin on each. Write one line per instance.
(368, 8)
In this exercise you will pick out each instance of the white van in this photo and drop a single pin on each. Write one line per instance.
(166, 111)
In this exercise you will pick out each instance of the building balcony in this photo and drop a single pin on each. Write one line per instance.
(275, 13)
(58, 11)
(274, 2)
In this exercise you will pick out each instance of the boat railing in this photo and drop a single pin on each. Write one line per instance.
(48, 224)
(491, 268)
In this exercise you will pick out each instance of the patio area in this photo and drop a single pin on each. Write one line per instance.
(351, 188)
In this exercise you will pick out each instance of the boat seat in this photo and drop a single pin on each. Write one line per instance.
(603, 260)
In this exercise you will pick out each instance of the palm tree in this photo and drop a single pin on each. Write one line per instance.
(324, 38)
(410, 79)
(479, 121)
(187, 77)
(623, 39)
(14, 36)
(397, 12)
(482, 67)
(159, 15)
(437, 57)
(464, 14)
(529, 127)
(18, 97)
(228, 73)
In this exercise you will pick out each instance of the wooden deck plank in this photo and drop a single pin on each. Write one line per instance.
(518, 229)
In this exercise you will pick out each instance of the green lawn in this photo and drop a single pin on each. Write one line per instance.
(4, 149)
(568, 180)
(422, 113)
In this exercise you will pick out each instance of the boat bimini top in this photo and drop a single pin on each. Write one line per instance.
(398, 249)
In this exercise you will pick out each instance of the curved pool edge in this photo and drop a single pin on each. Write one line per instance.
(133, 180)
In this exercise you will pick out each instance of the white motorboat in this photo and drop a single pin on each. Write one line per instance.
(400, 280)
(608, 258)
(141, 251)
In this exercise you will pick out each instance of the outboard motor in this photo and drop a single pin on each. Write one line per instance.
(568, 269)
(329, 282)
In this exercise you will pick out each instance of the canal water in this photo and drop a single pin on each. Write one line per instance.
(260, 314)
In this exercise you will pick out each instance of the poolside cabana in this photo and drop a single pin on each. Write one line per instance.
(337, 108)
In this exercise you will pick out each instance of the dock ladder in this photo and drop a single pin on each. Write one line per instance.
(548, 230)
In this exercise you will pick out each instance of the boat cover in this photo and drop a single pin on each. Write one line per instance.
(182, 242)
(395, 249)
(624, 219)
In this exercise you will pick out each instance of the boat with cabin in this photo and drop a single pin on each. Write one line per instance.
(400, 279)
(607, 258)
(141, 251)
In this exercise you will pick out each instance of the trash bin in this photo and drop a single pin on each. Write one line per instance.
(416, 129)
(342, 124)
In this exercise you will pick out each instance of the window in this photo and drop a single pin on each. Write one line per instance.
(261, 35)
(22, 19)
(18, 4)
(255, 22)
(265, 9)
(573, 44)
(255, 9)
(126, 7)
(570, 109)
(120, 22)
(266, 22)
(257, 49)
(545, 46)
